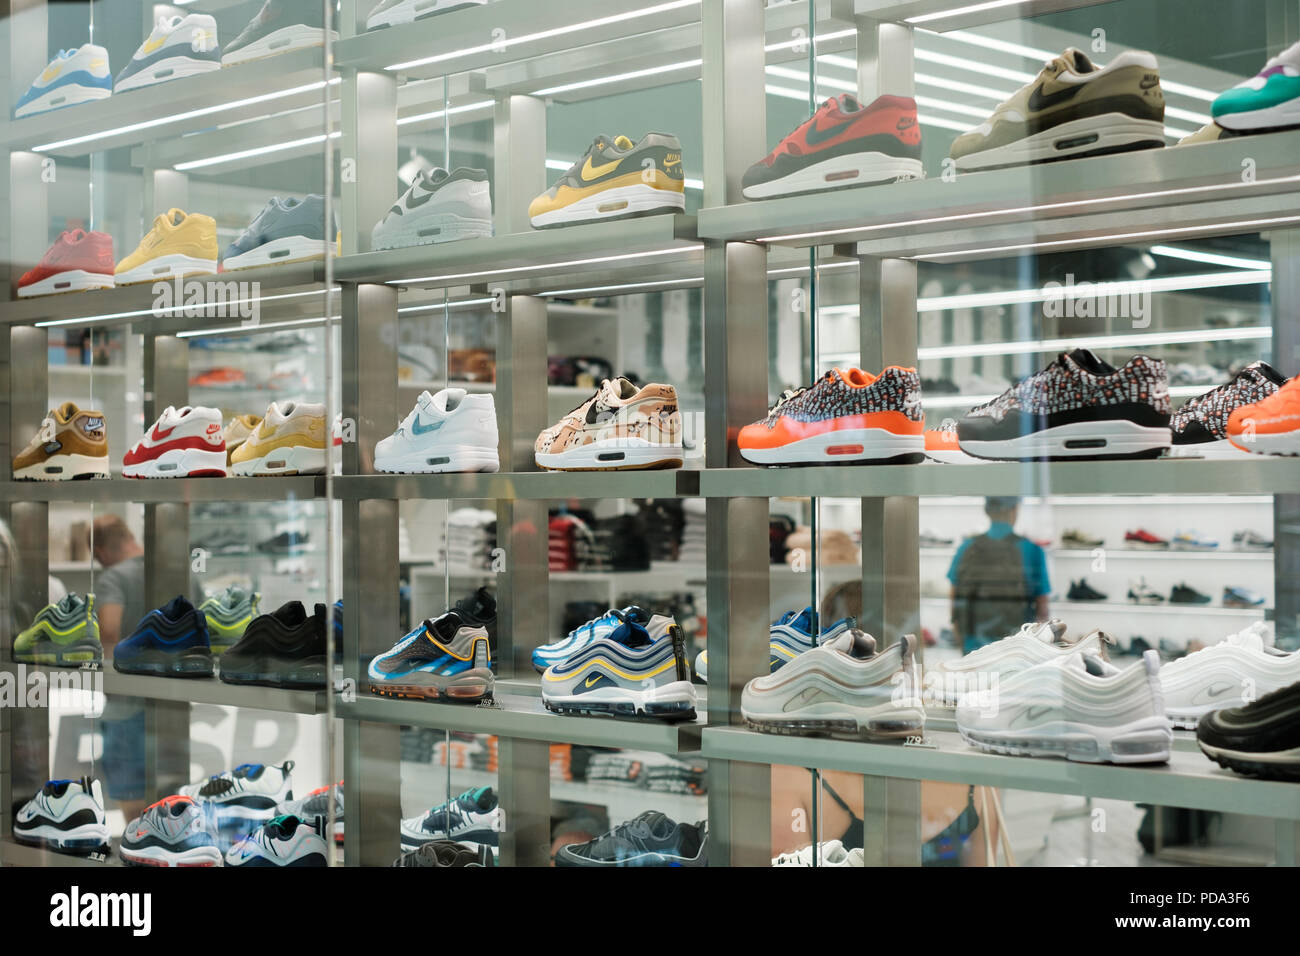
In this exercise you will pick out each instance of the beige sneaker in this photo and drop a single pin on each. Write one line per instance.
(620, 427)
(71, 443)
(237, 432)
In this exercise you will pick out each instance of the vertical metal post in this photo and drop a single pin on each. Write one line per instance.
(1288, 843)
(368, 161)
(519, 160)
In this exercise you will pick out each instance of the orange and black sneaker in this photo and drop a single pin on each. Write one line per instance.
(847, 416)
(1270, 426)
(616, 179)
(843, 144)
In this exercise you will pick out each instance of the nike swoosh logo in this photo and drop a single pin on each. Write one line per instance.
(1033, 713)
(51, 73)
(1218, 691)
(817, 135)
(152, 45)
(160, 435)
(417, 429)
(1040, 101)
(591, 173)
(592, 681)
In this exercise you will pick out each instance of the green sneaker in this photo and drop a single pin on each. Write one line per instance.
(228, 613)
(65, 634)
(1270, 100)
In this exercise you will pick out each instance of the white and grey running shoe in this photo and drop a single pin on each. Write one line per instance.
(474, 818)
(248, 794)
(1241, 668)
(656, 626)
(65, 815)
(390, 13)
(173, 832)
(829, 853)
(788, 637)
(439, 206)
(282, 841)
(316, 805)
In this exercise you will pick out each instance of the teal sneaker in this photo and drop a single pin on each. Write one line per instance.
(65, 634)
(1270, 100)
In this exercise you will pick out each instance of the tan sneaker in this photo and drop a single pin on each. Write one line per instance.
(71, 443)
(620, 427)
(237, 432)
(290, 440)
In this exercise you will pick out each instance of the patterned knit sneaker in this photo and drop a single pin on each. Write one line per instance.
(1200, 427)
(1271, 426)
(621, 427)
(847, 416)
(1077, 407)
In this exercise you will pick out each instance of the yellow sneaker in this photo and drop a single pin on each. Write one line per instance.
(616, 179)
(290, 440)
(178, 244)
(237, 432)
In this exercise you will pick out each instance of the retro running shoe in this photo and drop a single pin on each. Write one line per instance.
(625, 674)
(280, 26)
(447, 853)
(1072, 108)
(450, 431)
(65, 815)
(843, 144)
(1076, 706)
(1192, 541)
(616, 179)
(1081, 590)
(1144, 540)
(1268, 100)
(65, 634)
(282, 649)
(286, 230)
(846, 416)
(228, 614)
(71, 443)
(1241, 597)
(828, 853)
(315, 806)
(443, 658)
(1077, 407)
(184, 443)
(1248, 540)
(656, 626)
(941, 445)
(245, 796)
(172, 832)
(237, 431)
(474, 818)
(290, 440)
(621, 427)
(439, 206)
(650, 839)
(1261, 739)
(1270, 426)
(285, 840)
(178, 46)
(1080, 540)
(1232, 673)
(72, 77)
(178, 244)
(170, 641)
(843, 687)
(394, 12)
(77, 261)
(1200, 427)
(789, 636)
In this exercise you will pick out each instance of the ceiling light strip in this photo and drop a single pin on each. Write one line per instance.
(453, 111)
(176, 309)
(1085, 290)
(254, 329)
(254, 151)
(552, 266)
(619, 77)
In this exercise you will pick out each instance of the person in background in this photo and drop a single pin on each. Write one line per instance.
(999, 580)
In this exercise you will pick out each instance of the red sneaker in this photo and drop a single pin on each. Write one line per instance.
(77, 261)
(843, 144)
(1144, 539)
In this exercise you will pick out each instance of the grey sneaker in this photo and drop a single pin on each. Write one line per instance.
(445, 657)
(280, 26)
(439, 207)
(650, 839)
(390, 13)
(286, 230)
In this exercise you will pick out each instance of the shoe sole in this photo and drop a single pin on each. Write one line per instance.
(613, 454)
(181, 667)
(79, 656)
(458, 689)
(1273, 117)
(83, 839)
(172, 68)
(1076, 441)
(669, 702)
(851, 169)
(1090, 136)
(161, 856)
(170, 266)
(70, 94)
(1144, 741)
(180, 463)
(64, 468)
(73, 280)
(1278, 765)
(432, 228)
(843, 446)
(295, 37)
(456, 458)
(907, 722)
(287, 460)
(286, 249)
(621, 202)
(1276, 443)
(1220, 450)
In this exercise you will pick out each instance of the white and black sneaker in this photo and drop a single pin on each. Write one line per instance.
(474, 818)
(240, 799)
(172, 832)
(283, 841)
(1200, 427)
(66, 815)
(439, 206)
(1079, 407)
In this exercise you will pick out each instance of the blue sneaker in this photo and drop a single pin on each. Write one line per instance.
(790, 635)
(447, 657)
(286, 230)
(170, 641)
(1241, 597)
(72, 77)
(656, 626)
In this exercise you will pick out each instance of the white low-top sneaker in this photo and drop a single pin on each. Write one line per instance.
(439, 206)
(1241, 668)
(450, 431)
(832, 853)
(283, 841)
(1077, 706)
(185, 442)
(66, 815)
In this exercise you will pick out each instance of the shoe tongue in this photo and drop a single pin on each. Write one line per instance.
(622, 142)
(856, 644)
(55, 788)
(623, 388)
(659, 824)
(175, 216)
(1049, 632)
(1262, 370)
(849, 103)
(801, 620)
(1078, 61)
(480, 798)
(1089, 362)
(283, 827)
(67, 410)
(292, 613)
(176, 607)
(631, 634)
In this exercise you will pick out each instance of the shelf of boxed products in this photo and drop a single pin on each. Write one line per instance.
(165, 490)
(1189, 779)
(20, 854)
(544, 485)
(526, 718)
(945, 15)
(184, 105)
(1239, 185)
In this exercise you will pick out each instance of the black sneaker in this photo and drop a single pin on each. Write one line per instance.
(286, 542)
(1079, 407)
(282, 649)
(447, 853)
(280, 26)
(650, 839)
(1200, 427)
(1261, 739)
(1081, 590)
(1182, 594)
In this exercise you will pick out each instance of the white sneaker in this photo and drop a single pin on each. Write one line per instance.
(474, 817)
(284, 841)
(178, 46)
(439, 207)
(1242, 668)
(450, 431)
(984, 667)
(1077, 706)
(840, 687)
(64, 815)
(184, 443)
(832, 854)
(73, 76)
(249, 792)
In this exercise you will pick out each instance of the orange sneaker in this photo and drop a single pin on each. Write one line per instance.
(941, 445)
(846, 416)
(1270, 426)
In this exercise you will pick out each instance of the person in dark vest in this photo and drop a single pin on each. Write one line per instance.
(999, 579)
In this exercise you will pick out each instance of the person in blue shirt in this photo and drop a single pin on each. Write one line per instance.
(999, 579)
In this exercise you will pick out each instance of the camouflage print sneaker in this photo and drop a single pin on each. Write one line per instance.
(621, 427)
(65, 634)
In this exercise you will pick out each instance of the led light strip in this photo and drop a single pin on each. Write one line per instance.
(454, 111)
(254, 329)
(459, 304)
(255, 151)
(1136, 340)
(552, 266)
(164, 313)
(618, 77)
(1212, 258)
(960, 11)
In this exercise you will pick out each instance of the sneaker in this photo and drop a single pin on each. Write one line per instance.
(282, 649)
(1140, 593)
(616, 179)
(290, 440)
(1077, 706)
(474, 818)
(1081, 590)
(1080, 540)
(1192, 541)
(447, 853)
(394, 12)
(650, 839)
(72, 77)
(1144, 540)
(72, 443)
(1268, 100)
(64, 634)
(1251, 541)
(439, 206)
(444, 658)
(627, 674)
(928, 539)
(1072, 108)
(1182, 594)
(178, 244)
(222, 377)
(286, 543)
(282, 841)
(178, 46)
(171, 832)
(225, 541)
(66, 816)
(842, 687)
(77, 261)
(621, 427)
(183, 443)
(280, 26)
(843, 144)
(1270, 426)
(228, 614)
(450, 431)
(237, 431)
(1077, 407)
(941, 446)
(286, 230)
(1241, 597)
(1261, 739)
(1232, 673)
(846, 416)
(170, 641)
(315, 806)
(985, 667)
(1209, 133)
(789, 636)
(1200, 426)
(827, 853)
(656, 626)
(240, 799)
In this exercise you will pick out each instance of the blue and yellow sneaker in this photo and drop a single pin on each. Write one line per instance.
(1269, 100)
(72, 77)
(790, 635)
(656, 626)
(65, 634)
(228, 614)
(170, 641)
